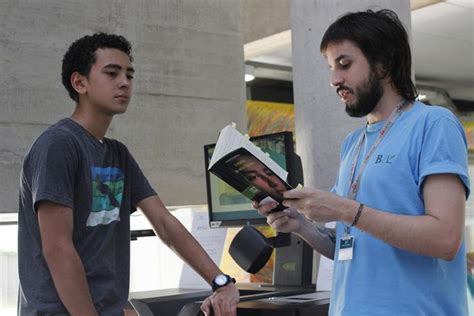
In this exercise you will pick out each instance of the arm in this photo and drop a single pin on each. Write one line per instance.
(67, 270)
(321, 238)
(175, 236)
(437, 233)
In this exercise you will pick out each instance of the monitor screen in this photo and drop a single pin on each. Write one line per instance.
(227, 206)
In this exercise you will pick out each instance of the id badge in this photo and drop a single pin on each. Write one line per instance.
(346, 248)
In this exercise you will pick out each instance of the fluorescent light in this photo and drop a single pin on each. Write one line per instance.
(249, 73)
(249, 77)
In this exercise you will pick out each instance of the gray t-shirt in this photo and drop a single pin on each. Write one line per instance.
(102, 184)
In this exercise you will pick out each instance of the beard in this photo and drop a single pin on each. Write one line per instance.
(367, 96)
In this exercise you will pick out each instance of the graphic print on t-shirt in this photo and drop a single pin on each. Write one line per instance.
(107, 192)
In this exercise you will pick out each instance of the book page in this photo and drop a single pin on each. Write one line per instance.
(230, 139)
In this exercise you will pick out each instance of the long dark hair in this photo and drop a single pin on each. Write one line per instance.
(382, 39)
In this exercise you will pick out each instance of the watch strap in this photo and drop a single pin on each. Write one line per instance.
(216, 286)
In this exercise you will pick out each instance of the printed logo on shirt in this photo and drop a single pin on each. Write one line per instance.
(107, 192)
(386, 159)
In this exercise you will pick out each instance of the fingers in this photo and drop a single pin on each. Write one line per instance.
(297, 193)
(221, 307)
(264, 209)
(277, 216)
(295, 204)
(279, 223)
(297, 197)
(284, 221)
(223, 302)
(206, 306)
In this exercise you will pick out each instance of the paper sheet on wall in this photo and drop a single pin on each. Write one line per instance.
(154, 266)
(212, 240)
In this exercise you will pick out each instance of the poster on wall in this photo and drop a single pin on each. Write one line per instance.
(266, 118)
(263, 118)
(269, 117)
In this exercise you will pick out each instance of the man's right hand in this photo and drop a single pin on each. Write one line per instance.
(286, 221)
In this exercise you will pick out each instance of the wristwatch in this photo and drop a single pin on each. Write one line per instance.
(221, 280)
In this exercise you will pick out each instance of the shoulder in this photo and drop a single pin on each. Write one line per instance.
(425, 119)
(56, 144)
(433, 113)
(58, 135)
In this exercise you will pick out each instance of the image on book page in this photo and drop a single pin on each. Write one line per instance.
(250, 176)
(231, 139)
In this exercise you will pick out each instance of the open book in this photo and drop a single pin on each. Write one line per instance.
(248, 169)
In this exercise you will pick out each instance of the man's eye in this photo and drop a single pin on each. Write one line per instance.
(344, 64)
(111, 73)
(129, 77)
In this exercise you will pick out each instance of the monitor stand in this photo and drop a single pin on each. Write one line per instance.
(292, 271)
(294, 263)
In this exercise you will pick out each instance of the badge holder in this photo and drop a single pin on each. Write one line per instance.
(346, 246)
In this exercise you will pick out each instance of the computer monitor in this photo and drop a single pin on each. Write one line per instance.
(227, 206)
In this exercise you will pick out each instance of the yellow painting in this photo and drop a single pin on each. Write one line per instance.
(263, 118)
(269, 117)
(266, 118)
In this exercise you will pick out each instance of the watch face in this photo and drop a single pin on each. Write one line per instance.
(220, 279)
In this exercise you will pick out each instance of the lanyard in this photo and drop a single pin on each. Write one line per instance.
(354, 182)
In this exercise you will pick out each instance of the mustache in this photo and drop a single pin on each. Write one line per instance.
(344, 88)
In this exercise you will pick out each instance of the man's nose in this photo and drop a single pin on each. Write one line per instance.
(336, 79)
(125, 82)
(270, 182)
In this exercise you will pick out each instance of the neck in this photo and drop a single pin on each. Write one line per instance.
(388, 102)
(96, 124)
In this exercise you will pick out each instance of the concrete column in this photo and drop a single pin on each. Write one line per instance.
(320, 120)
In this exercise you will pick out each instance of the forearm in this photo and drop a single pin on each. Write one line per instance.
(319, 237)
(178, 238)
(70, 281)
(424, 235)
(437, 232)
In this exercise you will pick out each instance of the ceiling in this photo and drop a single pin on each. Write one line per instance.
(442, 46)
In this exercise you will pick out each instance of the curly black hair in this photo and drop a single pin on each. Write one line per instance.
(81, 56)
(381, 37)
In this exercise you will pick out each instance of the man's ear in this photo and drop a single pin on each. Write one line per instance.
(381, 70)
(79, 82)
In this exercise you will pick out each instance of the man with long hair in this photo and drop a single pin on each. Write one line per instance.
(399, 197)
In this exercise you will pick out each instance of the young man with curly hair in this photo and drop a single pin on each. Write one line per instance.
(78, 189)
(399, 197)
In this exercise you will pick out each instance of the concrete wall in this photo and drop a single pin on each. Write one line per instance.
(188, 84)
(262, 18)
